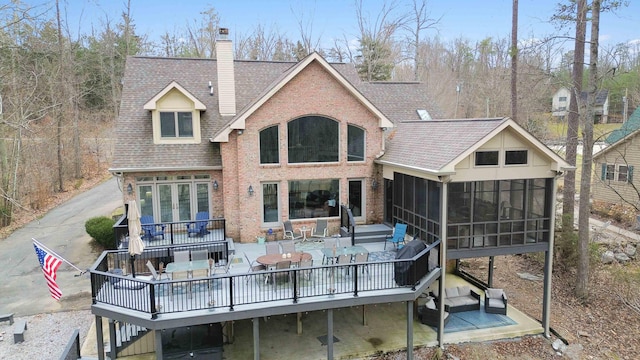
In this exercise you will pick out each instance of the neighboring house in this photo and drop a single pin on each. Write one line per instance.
(562, 97)
(257, 143)
(614, 165)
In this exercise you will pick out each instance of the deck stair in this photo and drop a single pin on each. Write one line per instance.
(126, 336)
(369, 233)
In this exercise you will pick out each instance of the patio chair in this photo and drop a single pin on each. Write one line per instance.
(222, 270)
(288, 232)
(329, 243)
(254, 266)
(345, 260)
(495, 301)
(399, 232)
(181, 256)
(179, 275)
(199, 227)
(286, 275)
(199, 255)
(306, 266)
(361, 259)
(150, 229)
(155, 275)
(320, 230)
(344, 242)
(429, 314)
(272, 247)
(287, 246)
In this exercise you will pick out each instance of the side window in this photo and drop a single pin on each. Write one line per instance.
(515, 157)
(269, 145)
(486, 158)
(355, 143)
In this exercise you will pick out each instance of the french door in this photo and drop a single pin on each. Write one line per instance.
(175, 202)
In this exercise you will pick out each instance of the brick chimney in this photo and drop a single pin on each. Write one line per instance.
(226, 78)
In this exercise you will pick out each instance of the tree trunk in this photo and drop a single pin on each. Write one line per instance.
(573, 121)
(582, 275)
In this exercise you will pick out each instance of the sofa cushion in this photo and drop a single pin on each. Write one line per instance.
(464, 291)
(451, 292)
(468, 300)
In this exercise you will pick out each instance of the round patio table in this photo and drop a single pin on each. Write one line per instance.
(272, 259)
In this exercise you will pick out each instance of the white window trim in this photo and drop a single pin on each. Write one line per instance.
(486, 166)
(157, 135)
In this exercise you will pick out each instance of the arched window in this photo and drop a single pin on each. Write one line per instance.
(313, 139)
(269, 145)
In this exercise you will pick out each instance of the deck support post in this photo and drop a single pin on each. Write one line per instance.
(158, 338)
(113, 344)
(330, 334)
(256, 338)
(410, 330)
(490, 280)
(444, 198)
(299, 322)
(99, 338)
(364, 315)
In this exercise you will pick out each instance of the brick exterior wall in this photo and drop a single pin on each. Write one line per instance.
(312, 92)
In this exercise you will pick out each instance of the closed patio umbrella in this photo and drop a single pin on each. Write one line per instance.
(136, 246)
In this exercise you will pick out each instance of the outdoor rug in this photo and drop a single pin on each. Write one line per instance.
(472, 320)
(382, 255)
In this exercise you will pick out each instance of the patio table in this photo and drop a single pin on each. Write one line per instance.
(187, 266)
(272, 259)
(333, 253)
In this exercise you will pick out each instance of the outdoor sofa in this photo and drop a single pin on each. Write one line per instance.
(459, 299)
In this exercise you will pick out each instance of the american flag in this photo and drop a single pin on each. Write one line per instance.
(50, 265)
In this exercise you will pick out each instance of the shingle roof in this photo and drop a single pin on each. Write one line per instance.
(146, 76)
(632, 124)
(445, 140)
(601, 97)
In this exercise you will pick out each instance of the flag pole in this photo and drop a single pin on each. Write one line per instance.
(56, 255)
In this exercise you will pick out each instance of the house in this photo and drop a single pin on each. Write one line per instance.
(614, 165)
(257, 143)
(561, 99)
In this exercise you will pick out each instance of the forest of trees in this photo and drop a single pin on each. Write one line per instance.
(60, 91)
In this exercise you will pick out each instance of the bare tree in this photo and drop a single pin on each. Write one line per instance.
(573, 118)
(514, 61)
(421, 20)
(584, 210)
(376, 60)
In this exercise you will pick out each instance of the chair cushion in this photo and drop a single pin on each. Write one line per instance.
(431, 304)
(496, 303)
(464, 291)
(495, 293)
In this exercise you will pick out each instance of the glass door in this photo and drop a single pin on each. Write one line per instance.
(356, 199)
(175, 202)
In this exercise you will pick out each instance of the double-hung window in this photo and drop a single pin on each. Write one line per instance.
(622, 173)
(176, 124)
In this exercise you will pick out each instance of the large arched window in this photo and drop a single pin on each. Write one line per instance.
(313, 139)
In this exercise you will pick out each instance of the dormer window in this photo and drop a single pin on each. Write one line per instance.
(175, 116)
(176, 124)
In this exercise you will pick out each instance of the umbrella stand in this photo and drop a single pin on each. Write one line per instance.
(133, 267)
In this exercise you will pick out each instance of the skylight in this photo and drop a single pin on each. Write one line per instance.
(424, 114)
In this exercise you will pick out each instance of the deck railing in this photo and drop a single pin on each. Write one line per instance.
(232, 290)
(175, 233)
